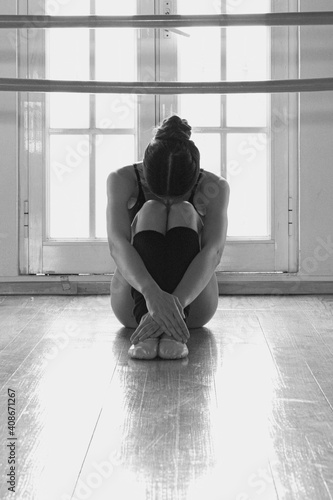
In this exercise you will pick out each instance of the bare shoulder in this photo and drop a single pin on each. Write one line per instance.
(213, 191)
(121, 183)
(121, 174)
(210, 177)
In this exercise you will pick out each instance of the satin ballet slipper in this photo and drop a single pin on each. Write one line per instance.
(147, 349)
(171, 349)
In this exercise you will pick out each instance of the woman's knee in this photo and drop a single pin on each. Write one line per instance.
(204, 306)
(183, 214)
(152, 216)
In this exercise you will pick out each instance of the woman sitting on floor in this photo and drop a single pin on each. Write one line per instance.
(167, 224)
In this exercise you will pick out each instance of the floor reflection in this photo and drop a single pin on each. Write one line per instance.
(167, 418)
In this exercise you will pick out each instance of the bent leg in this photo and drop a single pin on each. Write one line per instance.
(151, 217)
(149, 242)
(122, 300)
(182, 240)
(183, 214)
(148, 239)
(204, 306)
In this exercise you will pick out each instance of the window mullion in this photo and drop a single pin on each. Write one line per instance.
(148, 105)
(223, 96)
(166, 62)
(92, 126)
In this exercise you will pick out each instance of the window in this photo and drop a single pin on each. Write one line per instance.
(232, 131)
(88, 135)
(84, 136)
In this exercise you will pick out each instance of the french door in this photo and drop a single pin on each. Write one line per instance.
(75, 140)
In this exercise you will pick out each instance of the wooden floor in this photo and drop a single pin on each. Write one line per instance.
(248, 416)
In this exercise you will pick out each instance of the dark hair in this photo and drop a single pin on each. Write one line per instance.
(171, 160)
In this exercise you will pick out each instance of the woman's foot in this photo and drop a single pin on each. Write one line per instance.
(170, 348)
(147, 349)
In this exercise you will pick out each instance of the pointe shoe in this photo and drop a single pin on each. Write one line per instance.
(172, 349)
(147, 349)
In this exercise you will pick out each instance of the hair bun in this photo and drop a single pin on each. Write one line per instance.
(174, 128)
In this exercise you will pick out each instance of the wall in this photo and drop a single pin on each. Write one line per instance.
(8, 155)
(316, 148)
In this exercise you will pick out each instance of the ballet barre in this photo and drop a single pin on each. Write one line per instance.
(222, 87)
(168, 21)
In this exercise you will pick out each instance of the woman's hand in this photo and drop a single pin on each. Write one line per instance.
(167, 311)
(147, 329)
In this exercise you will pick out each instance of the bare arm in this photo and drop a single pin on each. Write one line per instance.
(213, 238)
(124, 254)
(164, 308)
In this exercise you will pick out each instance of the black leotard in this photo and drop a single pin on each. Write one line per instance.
(141, 199)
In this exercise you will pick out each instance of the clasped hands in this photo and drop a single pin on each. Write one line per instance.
(165, 315)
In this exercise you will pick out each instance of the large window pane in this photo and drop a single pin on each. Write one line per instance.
(116, 60)
(247, 59)
(248, 176)
(247, 110)
(115, 110)
(69, 110)
(68, 54)
(116, 54)
(247, 53)
(201, 110)
(69, 186)
(199, 55)
(68, 59)
(112, 152)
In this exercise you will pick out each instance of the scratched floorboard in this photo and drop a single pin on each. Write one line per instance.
(248, 416)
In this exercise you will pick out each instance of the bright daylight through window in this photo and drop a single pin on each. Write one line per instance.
(90, 135)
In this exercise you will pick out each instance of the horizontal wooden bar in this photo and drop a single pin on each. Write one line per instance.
(168, 21)
(92, 87)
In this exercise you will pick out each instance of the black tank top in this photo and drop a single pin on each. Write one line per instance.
(141, 199)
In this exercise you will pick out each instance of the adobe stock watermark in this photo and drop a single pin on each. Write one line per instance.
(27, 33)
(322, 252)
(103, 470)
(258, 484)
(254, 486)
(60, 341)
(309, 265)
(257, 143)
(74, 156)
(125, 104)
(122, 107)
